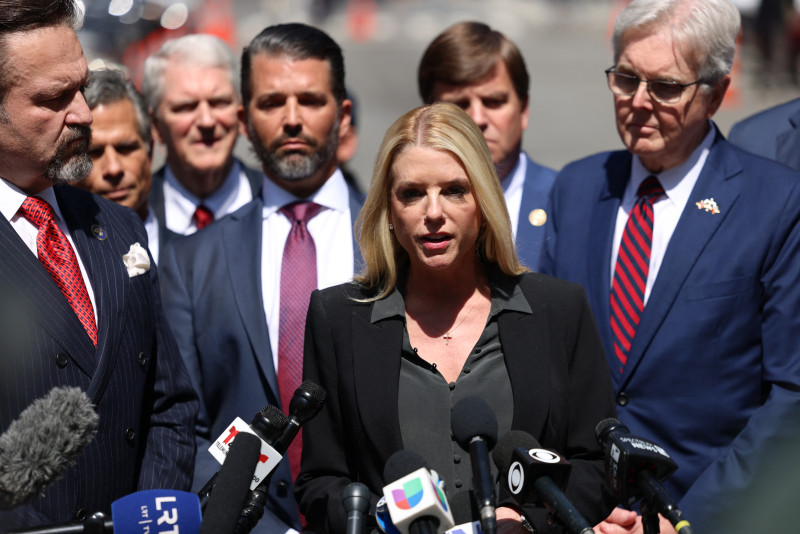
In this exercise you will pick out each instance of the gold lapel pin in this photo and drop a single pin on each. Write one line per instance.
(708, 204)
(99, 232)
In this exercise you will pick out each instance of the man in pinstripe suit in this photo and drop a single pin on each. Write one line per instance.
(100, 326)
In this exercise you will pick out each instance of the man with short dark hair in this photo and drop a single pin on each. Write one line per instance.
(687, 247)
(237, 296)
(482, 70)
(79, 297)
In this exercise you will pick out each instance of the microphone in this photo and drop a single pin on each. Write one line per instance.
(474, 427)
(43, 442)
(635, 468)
(461, 504)
(416, 503)
(267, 424)
(306, 402)
(536, 476)
(232, 485)
(355, 499)
(156, 510)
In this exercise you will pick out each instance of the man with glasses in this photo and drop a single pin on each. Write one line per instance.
(687, 247)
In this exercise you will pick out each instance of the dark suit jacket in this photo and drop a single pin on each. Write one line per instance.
(530, 237)
(554, 360)
(135, 376)
(773, 133)
(156, 200)
(212, 297)
(713, 374)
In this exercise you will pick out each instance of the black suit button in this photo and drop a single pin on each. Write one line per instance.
(80, 515)
(282, 488)
(130, 434)
(61, 360)
(623, 399)
(142, 359)
(458, 483)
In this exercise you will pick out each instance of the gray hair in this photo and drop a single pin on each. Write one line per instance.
(200, 50)
(107, 86)
(704, 30)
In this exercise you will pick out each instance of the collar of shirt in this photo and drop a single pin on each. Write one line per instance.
(333, 195)
(12, 197)
(512, 190)
(678, 181)
(180, 204)
(505, 293)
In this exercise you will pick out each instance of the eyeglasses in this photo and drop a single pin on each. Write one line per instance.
(659, 90)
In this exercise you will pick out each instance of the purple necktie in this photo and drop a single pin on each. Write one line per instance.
(298, 280)
(57, 256)
(630, 272)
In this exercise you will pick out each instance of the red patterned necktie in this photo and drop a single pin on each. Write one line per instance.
(298, 280)
(58, 257)
(202, 217)
(630, 272)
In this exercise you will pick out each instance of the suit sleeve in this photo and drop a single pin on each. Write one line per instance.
(730, 482)
(325, 469)
(169, 450)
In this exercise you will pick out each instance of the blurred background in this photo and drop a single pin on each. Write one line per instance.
(565, 44)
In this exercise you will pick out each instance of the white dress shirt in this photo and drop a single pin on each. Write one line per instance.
(180, 204)
(513, 185)
(11, 199)
(678, 183)
(151, 226)
(331, 229)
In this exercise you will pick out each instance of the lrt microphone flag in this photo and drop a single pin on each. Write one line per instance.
(414, 496)
(266, 463)
(157, 511)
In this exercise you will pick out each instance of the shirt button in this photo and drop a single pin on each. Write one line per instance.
(452, 386)
(457, 482)
(466, 370)
(61, 360)
(457, 458)
(623, 399)
(282, 488)
(130, 434)
(142, 359)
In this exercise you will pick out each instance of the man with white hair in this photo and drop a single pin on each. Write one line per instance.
(192, 89)
(687, 247)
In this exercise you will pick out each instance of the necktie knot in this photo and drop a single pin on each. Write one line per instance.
(302, 211)
(650, 189)
(202, 217)
(36, 211)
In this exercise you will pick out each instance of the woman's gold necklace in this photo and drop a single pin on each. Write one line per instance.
(449, 334)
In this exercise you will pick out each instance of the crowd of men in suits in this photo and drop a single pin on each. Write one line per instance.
(700, 334)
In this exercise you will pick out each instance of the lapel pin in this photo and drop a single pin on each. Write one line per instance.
(708, 204)
(99, 232)
(537, 217)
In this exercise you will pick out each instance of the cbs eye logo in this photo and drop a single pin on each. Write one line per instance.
(544, 456)
(516, 473)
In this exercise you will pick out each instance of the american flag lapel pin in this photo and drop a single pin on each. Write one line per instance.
(709, 204)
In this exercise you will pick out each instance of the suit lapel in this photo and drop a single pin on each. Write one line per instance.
(242, 237)
(377, 348)
(788, 144)
(695, 229)
(603, 223)
(102, 259)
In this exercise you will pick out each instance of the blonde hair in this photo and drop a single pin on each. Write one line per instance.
(445, 127)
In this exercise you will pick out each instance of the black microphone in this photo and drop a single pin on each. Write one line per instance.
(474, 427)
(232, 485)
(43, 442)
(268, 424)
(635, 468)
(536, 476)
(355, 499)
(306, 402)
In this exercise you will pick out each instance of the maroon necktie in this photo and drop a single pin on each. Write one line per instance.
(57, 256)
(202, 217)
(630, 272)
(298, 280)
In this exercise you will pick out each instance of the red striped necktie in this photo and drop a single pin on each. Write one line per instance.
(57, 256)
(630, 272)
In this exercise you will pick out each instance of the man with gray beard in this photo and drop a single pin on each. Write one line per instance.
(79, 297)
(237, 296)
